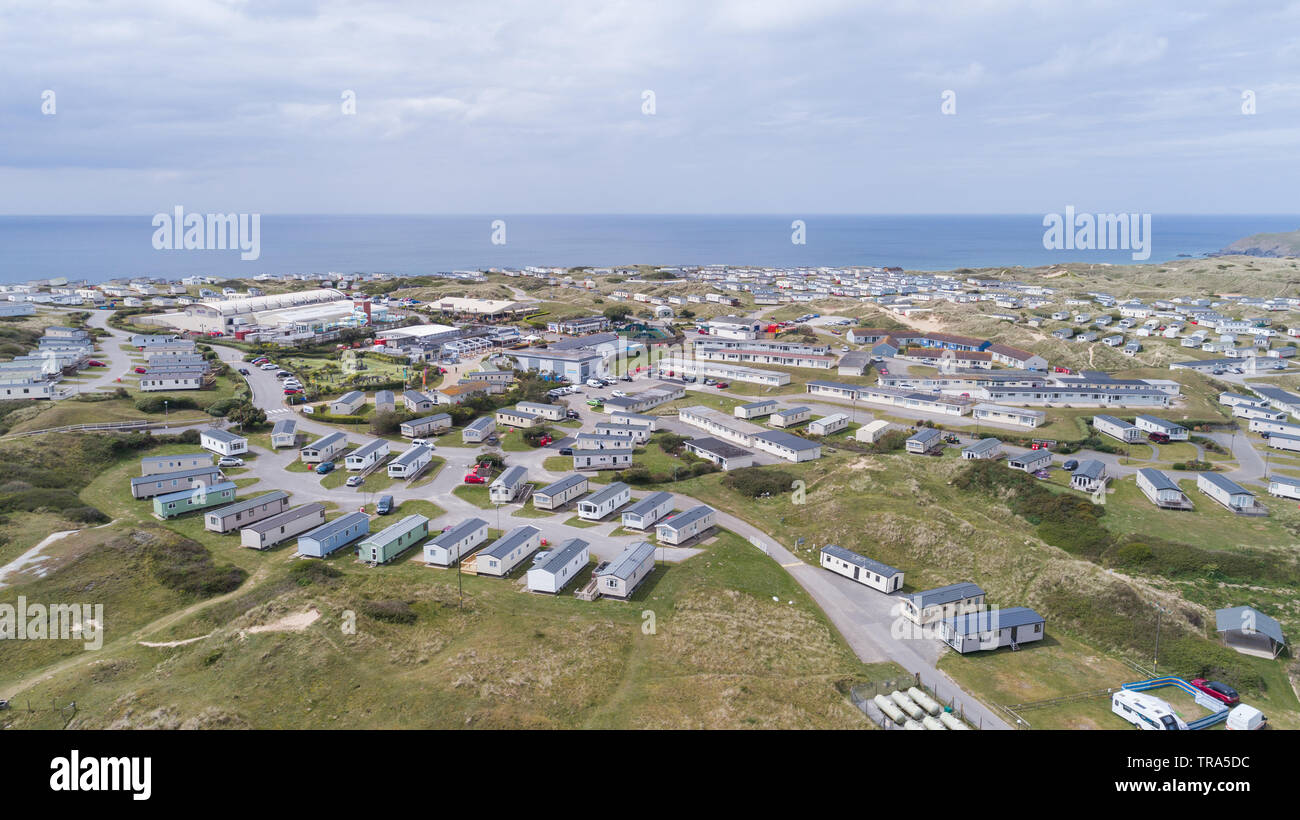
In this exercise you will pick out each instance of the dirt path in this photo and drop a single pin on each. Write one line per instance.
(32, 557)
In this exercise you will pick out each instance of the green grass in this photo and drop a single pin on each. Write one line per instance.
(436, 464)
(575, 521)
(476, 494)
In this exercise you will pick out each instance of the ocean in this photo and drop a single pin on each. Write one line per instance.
(97, 248)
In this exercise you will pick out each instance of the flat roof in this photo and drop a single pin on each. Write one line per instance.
(718, 447)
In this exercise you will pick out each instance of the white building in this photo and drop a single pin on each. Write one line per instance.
(643, 514)
(223, 443)
(555, 569)
(603, 502)
(367, 455)
(507, 552)
(680, 528)
(864, 570)
(411, 462)
(445, 549)
(508, 485)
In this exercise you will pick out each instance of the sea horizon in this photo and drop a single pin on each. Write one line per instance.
(98, 248)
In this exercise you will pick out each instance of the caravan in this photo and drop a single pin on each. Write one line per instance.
(1145, 711)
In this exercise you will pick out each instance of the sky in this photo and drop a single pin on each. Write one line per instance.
(816, 106)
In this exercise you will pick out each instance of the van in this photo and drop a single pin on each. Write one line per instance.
(385, 505)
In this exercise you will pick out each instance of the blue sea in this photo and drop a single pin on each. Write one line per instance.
(98, 248)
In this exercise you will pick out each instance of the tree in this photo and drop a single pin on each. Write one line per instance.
(616, 313)
(247, 416)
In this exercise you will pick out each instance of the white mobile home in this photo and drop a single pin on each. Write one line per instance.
(644, 513)
(1284, 487)
(427, 425)
(410, 463)
(445, 549)
(1152, 424)
(323, 449)
(864, 570)
(1089, 476)
(242, 513)
(478, 430)
(992, 629)
(550, 412)
(724, 454)
(561, 492)
(223, 443)
(152, 465)
(678, 529)
(620, 577)
(508, 485)
(554, 570)
(367, 455)
(924, 441)
(1161, 490)
(826, 425)
(1228, 493)
(787, 446)
(755, 409)
(983, 450)
(1031, 460)
(284, 434)
(508, 551)
(604, 458)
(871, 432)
(348, 403)
(157, 484)
(790, 416)
(603, 502)
(1117, 428)
(268, 532)
(931, 605)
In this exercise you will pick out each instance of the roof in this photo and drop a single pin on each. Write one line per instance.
(627, 562)
(336, 526)
(561, 555)
(754, 405)
(1242, 617)
(511, 476)
(193, 471)
(241, 506)
(222, 435)
(285, 427)
(1159, 422)
(648, 504)
(1224, 483)
(1092, 468)
(982, 446)
(861, 560)
(788, 440)
(428, 419)
(397, 529)
(410, 455)
(568, 482)
(924, 435)
(612, 491)
(1120, 423)
(945, 595)
(350, 396)
(206, 455)
(1158, 480)
(988, 620)
(286, 517)
(503, 545)
(368, 448)
(326, 441)
(792, 411)
(676, 522)
(415, 395)
(479, 423)
(458, 532)
(718, 447)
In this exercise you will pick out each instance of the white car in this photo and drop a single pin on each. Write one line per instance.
(230, 461)
(417, 442)
(595, 383)
(269, 366)
(618, 394)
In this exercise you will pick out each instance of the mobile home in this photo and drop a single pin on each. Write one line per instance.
(508, 485)
(410, 463)
(508, 551)
(152, 465)
(446, 548)
(393, 540)
(864, 570)
(678, 529)
(268, 532)
(992, 629)
(242, 513)
(620, 577)
(554, 570)
(162, 483)
(644, 513)
(333, 536)
(425, 426)
(172, 505)
(367, 455)
(603, 502)
(323, 448)
(223, 443)
(561, 492)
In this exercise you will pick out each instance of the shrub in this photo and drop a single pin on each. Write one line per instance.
(389, 611)
(756, 482)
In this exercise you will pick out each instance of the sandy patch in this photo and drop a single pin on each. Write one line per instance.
(174, 643)
(289, 623)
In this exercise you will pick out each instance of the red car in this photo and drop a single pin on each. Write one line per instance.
(290, 391)
(722, 385)
(474, 478)
(1219, 691)
(140, 370)
(95, 363)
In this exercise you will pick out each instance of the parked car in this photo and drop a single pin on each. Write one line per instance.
(385, 505)
(595, 383)
(723, 385)
(566, 451)
(1158, 438)
(618, 394)
(1042, 473)
(230, 461)
(283, 374)
(140, 370)
(572, 414)
(474, 478)
(260, 360)
(1219, 691)
(292, 391)
(1070, 465)
(422, 441)
(95, 363)
(269, 366)
(243, 371)
(627, 378)
(355, 481)
(324, 467)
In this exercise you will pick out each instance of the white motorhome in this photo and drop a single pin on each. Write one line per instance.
(1145, 711)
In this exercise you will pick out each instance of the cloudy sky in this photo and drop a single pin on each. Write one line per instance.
(760, 106)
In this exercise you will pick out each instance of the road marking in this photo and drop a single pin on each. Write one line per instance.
(795, 564)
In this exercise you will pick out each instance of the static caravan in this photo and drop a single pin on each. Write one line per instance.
(410, 463)
(425, 426)
(284, 434)
(871, 432)
(417, 402)
(223, 443)
(197, 498)
(367, 455)
(864, 570)
(509, 551)
(678, 529)
(162, 483)
(1152, 424)
(634, 419)
(1243, 411)
(620, 577)
(787, 446)
(385, 401)
(603, 502)
(445, 549)
(724, 454)
(508, 485)
(1117, 428)
(1089, 476)
(992, 629)
(983, 450)
(323, 448)
(644, 513)
(931, 605)
(550, 412)
(924, 441)
(348, 403)
(478, 430)
(333, 536)
(1284, 487)
(1161, 490)
(789, 416)
(756, 409)
(552, 571)
(268, 532)
(1226, 491)
(238, 515)
(152, 465)
(561, 492)
(514, 417)
(1031, 460)
(628, 433)
(826, 425)
(604, 458)
(393, 540)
